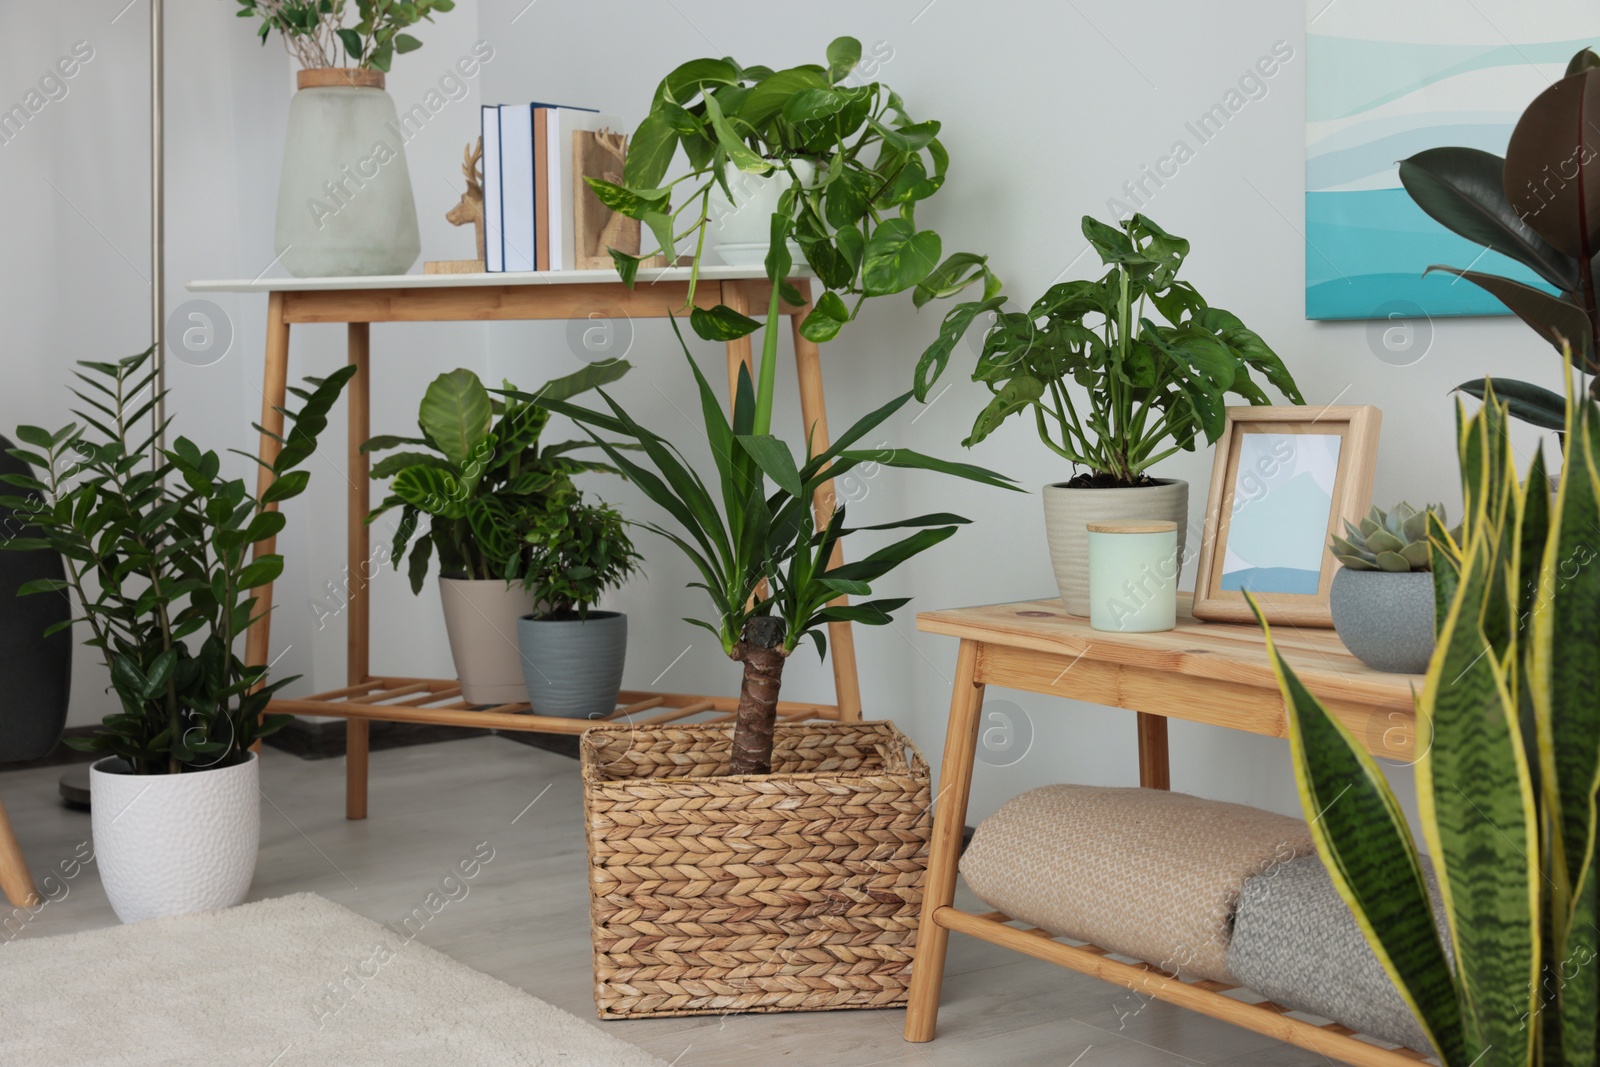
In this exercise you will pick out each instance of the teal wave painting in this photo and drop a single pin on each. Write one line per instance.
(1384, 83)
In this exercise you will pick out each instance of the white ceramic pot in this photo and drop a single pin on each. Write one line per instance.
(344, 196)
(1067, 513)
(740, 231)
(170, 844)
(481, 619)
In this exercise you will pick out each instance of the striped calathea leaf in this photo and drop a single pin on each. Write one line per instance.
(1509, 723)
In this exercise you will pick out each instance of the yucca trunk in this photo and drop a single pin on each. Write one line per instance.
(760, 649)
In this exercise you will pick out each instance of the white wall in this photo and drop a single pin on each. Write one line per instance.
(1048, 109)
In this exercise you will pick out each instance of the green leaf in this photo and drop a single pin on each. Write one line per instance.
(686, 81)
(627, 265)
(905, 457)
(898, 257)
(352, 42)
(404, 42)
(768, 96)
(721, 323)
(650, 152)
(1464, 190)
(953, 275)
(843, 55)
(417, 569)
(1018, 394)
(1556, 320)
(290, 484)
(956, 322)
(456, 415)
(739, 153)
(1531, 403)
(814, 105)
(775, 460)
(632, 202)
(1364, 843)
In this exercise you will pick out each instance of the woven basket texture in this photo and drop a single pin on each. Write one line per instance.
(798, 890)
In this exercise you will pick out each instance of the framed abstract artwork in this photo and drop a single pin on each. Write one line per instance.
(1385, 81)
(1283, 482)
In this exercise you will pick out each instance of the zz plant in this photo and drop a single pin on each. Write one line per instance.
(484, 482)
(764, 560)
(157, 546)
(855, 220)
(1506, 784)
(1153, 387)
(1535, 206)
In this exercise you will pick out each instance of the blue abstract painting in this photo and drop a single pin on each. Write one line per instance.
(1385, 81)
(1282, 501)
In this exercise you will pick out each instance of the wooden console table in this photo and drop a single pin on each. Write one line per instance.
(1216, 673)
(360, 301)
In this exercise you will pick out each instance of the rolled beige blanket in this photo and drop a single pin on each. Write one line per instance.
(1143, 872)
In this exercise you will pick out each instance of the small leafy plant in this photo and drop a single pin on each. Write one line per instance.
(1394, 540)
(314, 31)
(767, 563)
(158, 554)
(484, 482)
(578, 551)
(1153, 387)
(855, 221)
(1536, 207)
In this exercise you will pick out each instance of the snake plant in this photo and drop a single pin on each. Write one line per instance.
(1506, 787)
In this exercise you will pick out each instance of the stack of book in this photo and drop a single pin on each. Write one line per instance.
(528, 183)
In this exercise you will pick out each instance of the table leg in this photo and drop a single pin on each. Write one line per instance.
(274, 395)
(358, 563)
(737, 297)
(814, 413)
(949, 822)
(1154, 771)
(15, 881)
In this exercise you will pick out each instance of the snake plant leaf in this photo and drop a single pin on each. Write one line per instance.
(1533, 404)
(1559, 321)
(456, 414)
(1361, 835)
(1464, 190)
(1485, 843)
(1445, 562)
(1554, 130)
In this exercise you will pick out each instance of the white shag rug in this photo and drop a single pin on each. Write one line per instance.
(294, 982)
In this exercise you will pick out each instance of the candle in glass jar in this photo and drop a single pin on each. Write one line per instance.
(1133, 575)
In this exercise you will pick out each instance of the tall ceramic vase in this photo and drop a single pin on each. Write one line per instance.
(344, 197)
(480, 617)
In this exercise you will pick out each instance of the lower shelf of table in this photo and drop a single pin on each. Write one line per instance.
(437, 701)
(1202, 995)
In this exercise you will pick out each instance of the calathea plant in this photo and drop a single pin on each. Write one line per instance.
(854, 164)
(484, 480)
(1510, 730)
(1153, 387)
(1536, 206)
(157, 546)
(764, 560)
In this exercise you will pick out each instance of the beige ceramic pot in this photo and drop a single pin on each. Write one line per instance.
(481, 619)
(1067, 513)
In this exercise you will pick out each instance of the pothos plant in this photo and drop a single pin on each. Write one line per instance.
(315, 33)
(855, 220)
(765, 561)
(1153, 387)
(157, 546)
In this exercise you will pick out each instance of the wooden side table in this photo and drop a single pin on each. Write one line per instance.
(360, 301)
(1216, 673)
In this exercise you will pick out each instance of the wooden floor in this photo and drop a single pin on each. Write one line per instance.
(525, 920)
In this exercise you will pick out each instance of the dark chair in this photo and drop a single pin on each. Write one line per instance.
(35, 671)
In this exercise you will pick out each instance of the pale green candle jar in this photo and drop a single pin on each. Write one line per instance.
(1133, 575)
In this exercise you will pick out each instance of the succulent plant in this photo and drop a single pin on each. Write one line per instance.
(1396, 540)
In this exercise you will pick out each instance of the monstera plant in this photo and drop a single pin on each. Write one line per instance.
(1506, 784)
(1536, 206)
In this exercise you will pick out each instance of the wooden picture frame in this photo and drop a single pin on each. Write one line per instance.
(1308, 455)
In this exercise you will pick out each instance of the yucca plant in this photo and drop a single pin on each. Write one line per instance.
(1509, 724)
(764, 562)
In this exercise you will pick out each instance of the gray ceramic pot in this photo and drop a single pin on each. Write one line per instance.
(573, 667)
(1067, 513)
(1385, 619)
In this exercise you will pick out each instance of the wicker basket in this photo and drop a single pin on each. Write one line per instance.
(798, 890)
